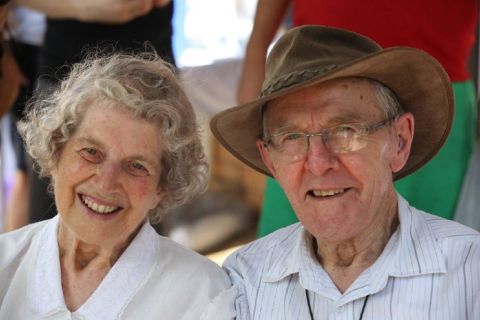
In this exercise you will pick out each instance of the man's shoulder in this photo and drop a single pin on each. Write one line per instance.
(444, 229)
(281, 240)
(459, 244)
(440, 228)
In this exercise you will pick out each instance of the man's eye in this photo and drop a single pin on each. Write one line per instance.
(137, 169)
(292, 136)
(344, 130)
(91, 155)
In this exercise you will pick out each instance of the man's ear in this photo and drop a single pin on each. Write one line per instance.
(404, 131)
(266, 156)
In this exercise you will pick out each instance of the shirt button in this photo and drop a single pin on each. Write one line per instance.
(341, 309)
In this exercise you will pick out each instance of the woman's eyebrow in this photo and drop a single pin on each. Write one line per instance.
(150, 160)
(89, 140)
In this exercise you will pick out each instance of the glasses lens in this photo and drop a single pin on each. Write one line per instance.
(289, 143)
(345, 138)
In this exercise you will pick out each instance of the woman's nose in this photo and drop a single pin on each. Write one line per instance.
(108, 176)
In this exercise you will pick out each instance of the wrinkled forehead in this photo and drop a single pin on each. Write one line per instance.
(334, 101)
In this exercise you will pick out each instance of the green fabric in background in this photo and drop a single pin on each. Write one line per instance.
(434, 188)
(276, 210)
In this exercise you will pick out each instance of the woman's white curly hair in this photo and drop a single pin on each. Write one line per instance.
(143, 84)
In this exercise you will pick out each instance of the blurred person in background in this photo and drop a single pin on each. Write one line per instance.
(10, 75)
(120, 141)
(445, 29)
(72, 28)
(26, 30)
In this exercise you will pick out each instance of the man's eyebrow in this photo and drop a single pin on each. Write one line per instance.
(352, 117)
(286, 127)
(346, 118)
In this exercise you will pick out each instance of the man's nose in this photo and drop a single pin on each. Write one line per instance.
(319, 159)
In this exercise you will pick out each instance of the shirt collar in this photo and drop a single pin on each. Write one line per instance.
(114, 292)
(285, 256)
(412, 250)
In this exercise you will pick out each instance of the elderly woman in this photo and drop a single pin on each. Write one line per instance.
(120, 142)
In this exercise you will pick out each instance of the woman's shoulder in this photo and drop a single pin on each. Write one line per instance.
(199, 281)
(186, 260)
(15, 244)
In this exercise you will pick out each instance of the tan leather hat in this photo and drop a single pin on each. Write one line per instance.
(309, 55)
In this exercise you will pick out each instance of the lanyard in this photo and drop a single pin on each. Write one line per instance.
(311, 312)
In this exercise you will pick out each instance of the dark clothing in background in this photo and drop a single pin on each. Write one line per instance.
(26, 56)
(67, 41)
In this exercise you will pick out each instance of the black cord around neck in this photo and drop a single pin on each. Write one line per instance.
(311, 312)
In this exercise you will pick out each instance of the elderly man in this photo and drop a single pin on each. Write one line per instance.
(338, 121)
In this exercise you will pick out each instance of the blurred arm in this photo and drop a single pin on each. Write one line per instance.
(16, 211)
(3, 15)
(105, 11)
(268, 18)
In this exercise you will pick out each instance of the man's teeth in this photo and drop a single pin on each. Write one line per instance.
(97, 207)
(326, 193)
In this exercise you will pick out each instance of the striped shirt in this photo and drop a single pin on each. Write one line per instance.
(429, 269)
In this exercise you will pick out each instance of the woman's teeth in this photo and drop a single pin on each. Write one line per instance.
(99, 208)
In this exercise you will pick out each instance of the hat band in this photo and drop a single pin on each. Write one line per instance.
(293, 78)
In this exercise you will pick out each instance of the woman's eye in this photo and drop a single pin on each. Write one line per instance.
(91, 155)
(137, 169)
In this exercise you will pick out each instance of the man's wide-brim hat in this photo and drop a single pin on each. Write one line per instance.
(308, 55)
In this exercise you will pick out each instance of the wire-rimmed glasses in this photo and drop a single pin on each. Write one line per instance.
(343, 138)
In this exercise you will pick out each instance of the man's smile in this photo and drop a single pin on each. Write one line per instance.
(327, 193)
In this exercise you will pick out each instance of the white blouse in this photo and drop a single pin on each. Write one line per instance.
(154, 278)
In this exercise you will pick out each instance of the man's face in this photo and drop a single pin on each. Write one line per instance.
(338, 196)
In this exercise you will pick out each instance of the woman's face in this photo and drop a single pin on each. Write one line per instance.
(107, 177)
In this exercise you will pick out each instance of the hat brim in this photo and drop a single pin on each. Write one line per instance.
(419, 82)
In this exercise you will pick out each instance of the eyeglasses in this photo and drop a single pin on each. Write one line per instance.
(343, 138)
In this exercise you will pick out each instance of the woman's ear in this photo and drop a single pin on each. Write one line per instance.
(158, 197)
(52, 169)
(404, 131)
